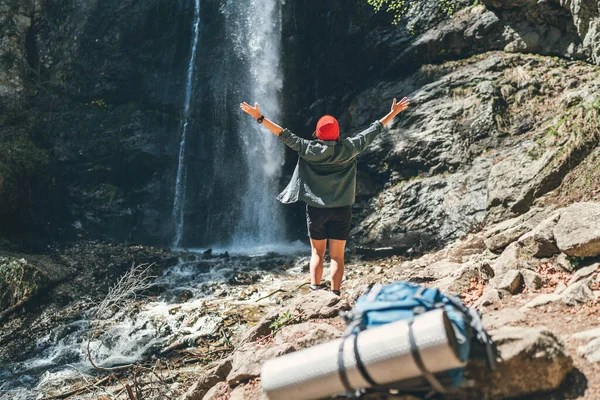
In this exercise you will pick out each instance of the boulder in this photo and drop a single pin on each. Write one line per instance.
(533, 360)
(533, 280)
(539, 242)
(577, 233)
(512, 282)
(246, 362)
(513, 257)
(490, 297)
(578, 293)
(504, 233)
(460, 280)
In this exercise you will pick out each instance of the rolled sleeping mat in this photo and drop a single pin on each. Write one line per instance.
(385, 351)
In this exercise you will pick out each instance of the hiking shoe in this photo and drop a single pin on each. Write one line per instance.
(336, 292)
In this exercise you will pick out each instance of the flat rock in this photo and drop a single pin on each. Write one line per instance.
(307, 334)
(502, 318)
(590, 351)
(318, 304)
(533, 360)
(589, 334)
(541, 300)
(577, 233)
(501, 235)
(561, 287)
(246, 362)
(584, 273)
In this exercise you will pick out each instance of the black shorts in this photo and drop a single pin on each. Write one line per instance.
(329, 223)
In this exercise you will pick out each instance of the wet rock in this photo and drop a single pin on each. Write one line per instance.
(584, 273)
(307, 334)
(578, 293)
(244, 278)
(512, 282)
(563, 262)
(577, 233)
(533, 360)
(209, 379)
(246, 362)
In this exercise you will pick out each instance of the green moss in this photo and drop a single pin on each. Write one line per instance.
(18, 280)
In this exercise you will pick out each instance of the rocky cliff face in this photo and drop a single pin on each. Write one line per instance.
(93, 92)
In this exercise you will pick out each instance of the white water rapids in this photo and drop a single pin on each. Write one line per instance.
(184, 311)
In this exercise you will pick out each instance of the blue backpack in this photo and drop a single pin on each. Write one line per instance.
(383, 304)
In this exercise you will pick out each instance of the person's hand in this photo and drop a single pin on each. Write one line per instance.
(398, 107)
(253, 111)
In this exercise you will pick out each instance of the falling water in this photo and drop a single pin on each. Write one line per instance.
(180, 186)
(257, 41)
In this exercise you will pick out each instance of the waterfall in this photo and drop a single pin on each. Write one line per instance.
(180, 183)
(256, 38)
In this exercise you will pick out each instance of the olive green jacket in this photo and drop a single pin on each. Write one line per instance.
(325, 175)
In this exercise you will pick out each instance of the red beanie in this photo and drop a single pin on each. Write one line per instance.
(328, 128)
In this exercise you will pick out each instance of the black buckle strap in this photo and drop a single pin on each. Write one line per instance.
(342, 368)
(361, 365)
(414, 350)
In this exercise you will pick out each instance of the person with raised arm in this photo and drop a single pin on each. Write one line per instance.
(325, 179)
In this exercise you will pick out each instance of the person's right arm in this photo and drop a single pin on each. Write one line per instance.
(361, 141)
(296, 143)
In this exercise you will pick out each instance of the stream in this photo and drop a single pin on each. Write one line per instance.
(150, 324)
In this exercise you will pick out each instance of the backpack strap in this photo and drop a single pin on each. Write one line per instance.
(342, 368)
(414, 350)
(361, 365)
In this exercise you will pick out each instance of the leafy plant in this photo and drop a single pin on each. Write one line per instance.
(400, 8)
(575, 260)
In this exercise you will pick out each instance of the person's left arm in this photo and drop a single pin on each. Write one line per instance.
(296, 143)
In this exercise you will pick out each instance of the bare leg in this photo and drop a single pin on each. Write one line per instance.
(316, 260)
(336, 252)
